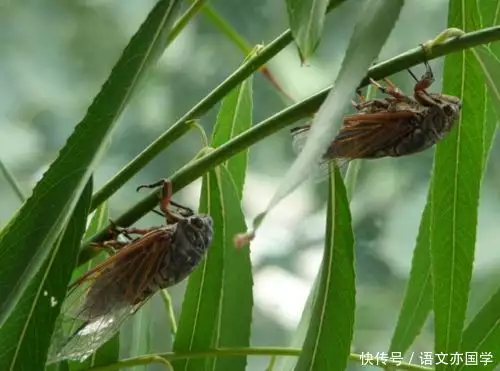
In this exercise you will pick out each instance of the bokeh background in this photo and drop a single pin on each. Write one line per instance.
(56, 54)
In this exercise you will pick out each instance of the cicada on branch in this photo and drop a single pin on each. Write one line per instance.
(148, 260)
(397, 125)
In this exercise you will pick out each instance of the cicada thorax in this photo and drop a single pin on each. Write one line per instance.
(191, 240)
(100, 300)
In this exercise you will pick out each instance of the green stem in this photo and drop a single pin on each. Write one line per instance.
(167, 300)
(280, 120)
(163, 361)
(197, 126)
(179, 128)
(255, 351)
(272, 363)
(12, 182)
(184, 20)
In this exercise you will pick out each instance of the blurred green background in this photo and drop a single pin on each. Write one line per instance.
(55, 56)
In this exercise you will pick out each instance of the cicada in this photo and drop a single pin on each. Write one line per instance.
(397, 125)
(101, 299)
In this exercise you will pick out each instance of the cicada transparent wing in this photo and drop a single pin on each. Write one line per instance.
(299, 135)
(321, 169)
(103, 298)
(77, 337)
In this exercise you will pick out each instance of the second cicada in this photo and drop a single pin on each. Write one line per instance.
(397, 125)
(100, 300)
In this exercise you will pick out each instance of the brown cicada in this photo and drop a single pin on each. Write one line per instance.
(100, 300)
(397, 125)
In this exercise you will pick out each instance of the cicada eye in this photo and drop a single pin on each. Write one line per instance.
(197, 222)
(448, 110)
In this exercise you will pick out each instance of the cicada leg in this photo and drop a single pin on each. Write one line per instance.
(376, 104)
(425, 81)
(166, 200)
(362, 100)
(372, 103)
(115, 231)
(427, 78)
(392, 90)
(112, 244)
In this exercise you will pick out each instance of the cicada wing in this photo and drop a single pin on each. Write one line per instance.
(87, 337)
(321, 170)
(370, 135)
(299, 137)
(84, 323)
(103, 298)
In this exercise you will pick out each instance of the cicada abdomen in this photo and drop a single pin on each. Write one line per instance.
(101, 299)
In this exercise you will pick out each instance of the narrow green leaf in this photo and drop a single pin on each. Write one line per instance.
(417, 302)
(235, 313)
(98, 220)
(234, 117)
(306, 18)
(489, 12)
(201, 304)
(25, 337)
(490, 16)
(26, 241)
(328, 340)
(482, 337)
(375, 22)
(490, 64)
(454, 194)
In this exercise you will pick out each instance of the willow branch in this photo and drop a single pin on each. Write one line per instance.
(288, 116)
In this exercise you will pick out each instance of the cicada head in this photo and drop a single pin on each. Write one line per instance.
(193, 236)
(441, 117)
(200, 230)
(451, 106)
